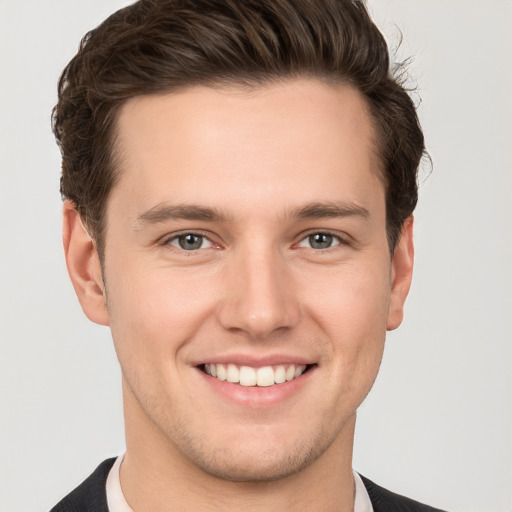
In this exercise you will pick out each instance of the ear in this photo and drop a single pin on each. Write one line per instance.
(83, 265)
(401, 274)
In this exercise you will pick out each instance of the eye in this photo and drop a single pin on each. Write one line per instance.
(319, 241)
(190, 242)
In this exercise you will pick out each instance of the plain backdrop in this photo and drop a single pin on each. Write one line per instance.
(438, 423)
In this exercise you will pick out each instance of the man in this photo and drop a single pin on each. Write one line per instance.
(239, 181)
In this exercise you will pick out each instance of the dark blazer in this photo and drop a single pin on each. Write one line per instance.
(90, 496)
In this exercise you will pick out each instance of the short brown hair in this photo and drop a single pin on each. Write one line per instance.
(155, 46)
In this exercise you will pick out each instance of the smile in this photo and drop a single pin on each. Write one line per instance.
(249, 376)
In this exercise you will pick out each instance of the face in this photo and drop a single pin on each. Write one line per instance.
(248, 279)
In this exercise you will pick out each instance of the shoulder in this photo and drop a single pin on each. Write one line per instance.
(387, 501)
(90, 494)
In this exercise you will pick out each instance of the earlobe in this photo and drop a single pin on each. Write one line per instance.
(401, 274)
(83, 265)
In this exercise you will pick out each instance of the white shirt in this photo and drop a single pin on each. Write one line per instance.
(117, 503)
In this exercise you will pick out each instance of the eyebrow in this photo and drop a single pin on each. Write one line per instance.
(314, 210)
(164, 213)
(329, 209)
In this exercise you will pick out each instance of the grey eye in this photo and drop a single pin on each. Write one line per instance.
(190, 242)
(320, 240)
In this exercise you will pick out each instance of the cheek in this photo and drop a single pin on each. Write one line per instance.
(352, 300)
(352, 309)
(154, 312)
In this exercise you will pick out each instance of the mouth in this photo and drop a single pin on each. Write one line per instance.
(249, 376)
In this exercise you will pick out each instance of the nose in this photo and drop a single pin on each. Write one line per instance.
(259, 298)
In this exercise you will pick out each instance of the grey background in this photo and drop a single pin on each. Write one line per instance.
(438, 424)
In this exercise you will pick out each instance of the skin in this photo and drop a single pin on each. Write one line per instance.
(275, 165)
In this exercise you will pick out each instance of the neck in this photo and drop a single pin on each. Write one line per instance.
(156, 476)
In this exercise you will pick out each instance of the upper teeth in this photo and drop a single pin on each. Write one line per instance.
(248, 376)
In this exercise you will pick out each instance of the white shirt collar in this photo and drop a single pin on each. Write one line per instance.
(362, 501)
(117, 503)
(115, 497)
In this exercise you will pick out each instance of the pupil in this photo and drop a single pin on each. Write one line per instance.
(190, 242)
(320, 241)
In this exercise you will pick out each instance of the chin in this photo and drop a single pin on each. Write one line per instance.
(247, 460)
(261, 467)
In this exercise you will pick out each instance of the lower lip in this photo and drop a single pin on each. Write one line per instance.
(257, 396)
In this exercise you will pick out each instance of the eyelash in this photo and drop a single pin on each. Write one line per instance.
(336, 237)
(339, 240)
(175, 238)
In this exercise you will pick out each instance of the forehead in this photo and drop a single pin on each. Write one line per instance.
(303, 139)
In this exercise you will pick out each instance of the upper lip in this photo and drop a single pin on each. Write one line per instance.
(255, 361)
